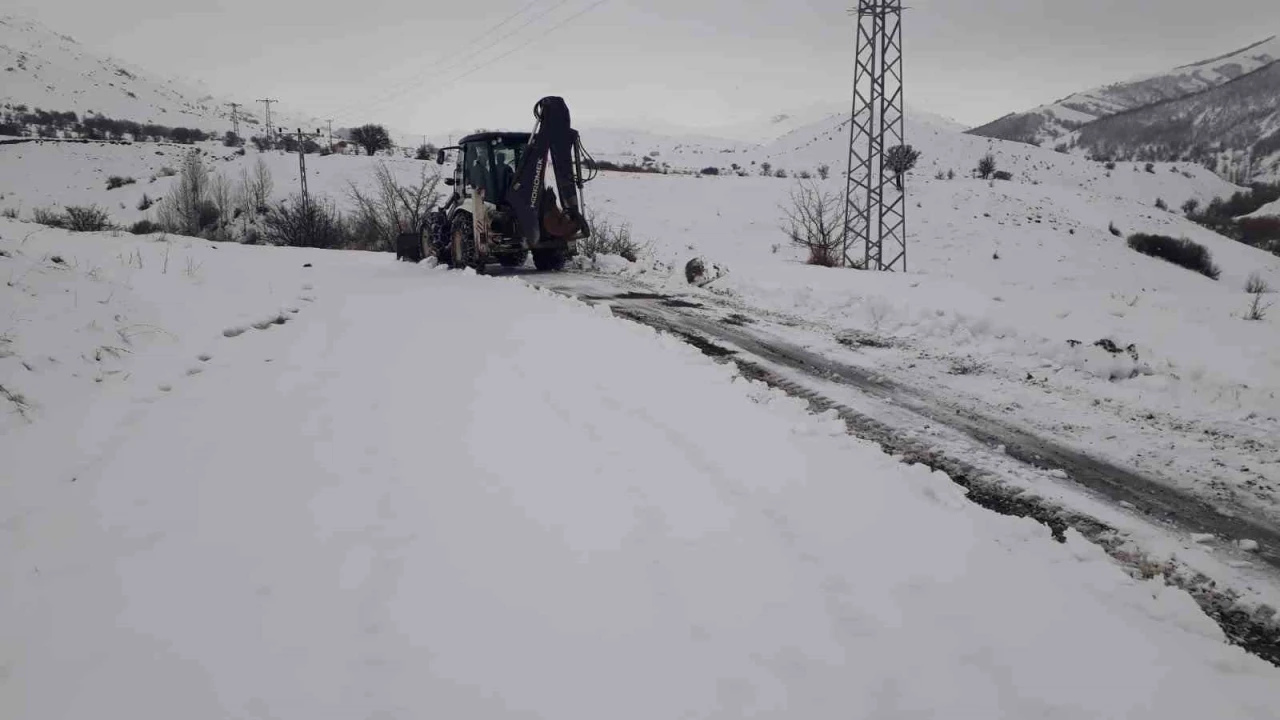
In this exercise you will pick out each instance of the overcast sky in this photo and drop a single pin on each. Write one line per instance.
(625, 62)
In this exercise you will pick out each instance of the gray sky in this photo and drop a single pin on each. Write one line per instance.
(677, 62)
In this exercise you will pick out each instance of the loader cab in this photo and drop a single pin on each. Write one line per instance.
(486, 161)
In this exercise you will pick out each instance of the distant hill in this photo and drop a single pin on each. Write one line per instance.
(40, 68)
(1050, 124)
(1233, 128)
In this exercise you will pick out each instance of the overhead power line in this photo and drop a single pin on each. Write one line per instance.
(540, 36)
(408, 82)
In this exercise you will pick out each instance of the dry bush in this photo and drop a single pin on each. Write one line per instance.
(1179, 251)
(48, 216)
(815, 222)
(392, 208)
(294, 223)
(187, 209)
(89, 218)
(1257, 287)
(609, 239)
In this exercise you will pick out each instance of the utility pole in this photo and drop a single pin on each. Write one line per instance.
(875, 210)
(302, 161)
(267, 102)
(330, 121)
(235, 118)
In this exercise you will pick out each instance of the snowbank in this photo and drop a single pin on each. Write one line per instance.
(433, 494)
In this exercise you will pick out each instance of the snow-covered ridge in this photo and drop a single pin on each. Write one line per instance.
(1048, 123)
(41, 68)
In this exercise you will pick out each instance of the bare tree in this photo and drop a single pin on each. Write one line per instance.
(222, 196)
(901, 159)
(814, 222)
(986, 166)
(255, 188)
(186, 209)
(391, 208)
(371, 137)
(766, 169)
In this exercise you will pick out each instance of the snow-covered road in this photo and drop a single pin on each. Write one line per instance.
(430, 494)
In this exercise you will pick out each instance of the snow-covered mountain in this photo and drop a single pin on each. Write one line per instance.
(1233, 128)
(1050, 123)
(41, 68)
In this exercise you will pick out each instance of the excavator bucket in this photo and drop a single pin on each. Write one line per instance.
(554, 138)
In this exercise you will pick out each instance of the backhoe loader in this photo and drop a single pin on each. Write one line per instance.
(501, 209)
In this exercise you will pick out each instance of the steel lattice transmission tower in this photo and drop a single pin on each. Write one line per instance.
(875, 221)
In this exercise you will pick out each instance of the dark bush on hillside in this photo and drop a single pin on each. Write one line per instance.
(166, 171)
(986, 166)
(89, 218)
(145, 227)
(1114, 230)
(1002, 175)
(261, 143)
(1179, 251)
(622, 167)
(48, 216)
(232, 140)
(294, 223)
(146, 202)
(1260, 230)
(115, 181)
(711, 171)
(1151, 168)
(1161, 204)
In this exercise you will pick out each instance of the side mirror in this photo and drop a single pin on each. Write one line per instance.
(440, 157)
(450, 182)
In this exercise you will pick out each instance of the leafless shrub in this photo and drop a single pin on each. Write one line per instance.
(255, 188)
(48, 216)
(391, 207)
(814, 223)
(187, 209)
(609, 239)
(1256, 285)
(20, 403)
(295, 223)
(89, 218)
(10, 213)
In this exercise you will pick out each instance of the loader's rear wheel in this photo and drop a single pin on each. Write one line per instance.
(549, 260)
(462, 243)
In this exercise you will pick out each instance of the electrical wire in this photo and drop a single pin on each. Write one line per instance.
(404, 87)
(409, 81)
(518, 48)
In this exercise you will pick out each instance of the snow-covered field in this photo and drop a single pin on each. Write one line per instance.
(45, 174)
(413, 492)
(1011, 286)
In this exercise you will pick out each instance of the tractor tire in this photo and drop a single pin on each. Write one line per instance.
(513, 261)
(549, 260)
(462, 243)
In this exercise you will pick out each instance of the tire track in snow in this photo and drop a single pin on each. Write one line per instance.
(771, 360)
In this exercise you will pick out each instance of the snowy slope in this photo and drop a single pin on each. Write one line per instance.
(1005, 276)
(1272, 209)
(633, 534)
(41, 68)
(1234, 127)
(1048, 123)
(50, 174)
